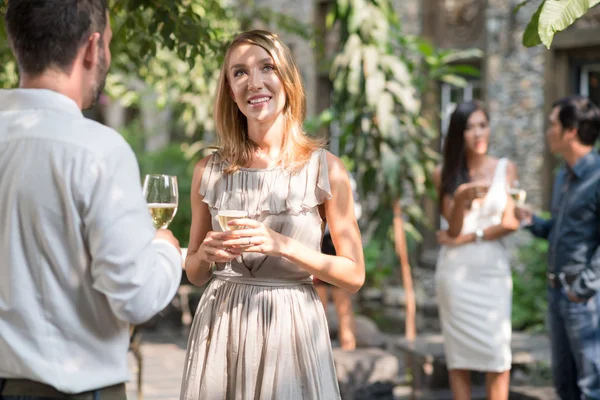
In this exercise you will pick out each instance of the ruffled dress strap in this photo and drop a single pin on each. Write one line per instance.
(274, 190)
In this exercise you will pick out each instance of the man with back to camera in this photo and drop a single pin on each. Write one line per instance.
(79, 257)
(573, 234)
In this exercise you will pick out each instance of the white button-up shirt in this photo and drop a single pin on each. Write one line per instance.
(78, 259)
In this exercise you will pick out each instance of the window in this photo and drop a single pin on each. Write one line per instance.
(589, 82)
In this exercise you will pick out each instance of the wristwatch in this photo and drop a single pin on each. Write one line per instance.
(478, 235)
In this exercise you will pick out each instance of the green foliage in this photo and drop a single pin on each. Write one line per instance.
(529, 287)
(380, 260)
(171, 49)
(531, 37)
(553, 16)
(192, 29)
(378, 76)
(174, 49)
(8, 74)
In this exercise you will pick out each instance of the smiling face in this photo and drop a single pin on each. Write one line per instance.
(254, 83)
(477, 133)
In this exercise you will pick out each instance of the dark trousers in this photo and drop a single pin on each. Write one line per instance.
(21, 389)
(575, 339)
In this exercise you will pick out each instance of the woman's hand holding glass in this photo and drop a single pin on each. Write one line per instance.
(468, 192)
(213, 250)
(255, 237)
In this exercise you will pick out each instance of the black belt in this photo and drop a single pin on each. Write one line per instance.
(555, 282)
(25, 387)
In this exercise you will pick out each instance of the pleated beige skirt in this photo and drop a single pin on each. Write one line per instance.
(259, 340)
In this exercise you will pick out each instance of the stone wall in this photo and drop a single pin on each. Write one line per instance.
(409, 12)
(514, 78)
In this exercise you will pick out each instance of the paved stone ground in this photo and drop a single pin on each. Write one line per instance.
(163, 358)
(163, 353)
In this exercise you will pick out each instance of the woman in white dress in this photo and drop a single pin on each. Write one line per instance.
(473, 277)
(260, 331)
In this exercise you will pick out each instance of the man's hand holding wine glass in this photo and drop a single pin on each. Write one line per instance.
(524, 214)
(165, 234)
(162, 195)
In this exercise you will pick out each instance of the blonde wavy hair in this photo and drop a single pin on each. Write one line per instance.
(231, 124)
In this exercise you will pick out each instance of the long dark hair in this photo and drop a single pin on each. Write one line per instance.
(455, 170)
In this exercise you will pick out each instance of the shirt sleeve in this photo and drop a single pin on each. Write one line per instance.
(540, 227)
(138, 275)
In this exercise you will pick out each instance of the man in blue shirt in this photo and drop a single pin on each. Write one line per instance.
(573, 233)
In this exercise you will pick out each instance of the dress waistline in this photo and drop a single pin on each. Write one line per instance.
(265, 282)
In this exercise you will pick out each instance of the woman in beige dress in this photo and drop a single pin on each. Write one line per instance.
(473, 276)
(263, 334)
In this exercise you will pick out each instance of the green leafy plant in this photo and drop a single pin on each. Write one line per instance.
(380, 260)
(378, 76)
(529, 287)
(553, 16)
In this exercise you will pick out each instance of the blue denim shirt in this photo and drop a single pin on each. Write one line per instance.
(573, 232)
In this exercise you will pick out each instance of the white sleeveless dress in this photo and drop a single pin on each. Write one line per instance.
(474, 290)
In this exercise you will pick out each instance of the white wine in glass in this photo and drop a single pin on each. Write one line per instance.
(162, 214)
(162, 195)
(224, 217)
(518, 195)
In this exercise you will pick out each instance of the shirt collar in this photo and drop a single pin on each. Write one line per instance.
(584, 164)
(29, 99)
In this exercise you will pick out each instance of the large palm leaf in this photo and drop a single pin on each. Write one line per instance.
(554, 16)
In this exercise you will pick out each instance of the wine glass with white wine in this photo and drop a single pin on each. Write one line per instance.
(162, 195)
(517, 193)
(224, 216)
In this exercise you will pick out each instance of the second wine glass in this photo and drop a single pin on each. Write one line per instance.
(517, 193)
(162, 195)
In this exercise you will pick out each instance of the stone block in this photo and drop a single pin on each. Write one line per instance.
(366, 373)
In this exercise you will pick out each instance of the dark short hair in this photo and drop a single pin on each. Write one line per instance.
(48, 33)
(579, 112)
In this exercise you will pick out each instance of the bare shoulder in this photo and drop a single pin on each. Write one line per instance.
(199, 171)
(510, 165)
(201, 165)
(335, 167)
(511, 169)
